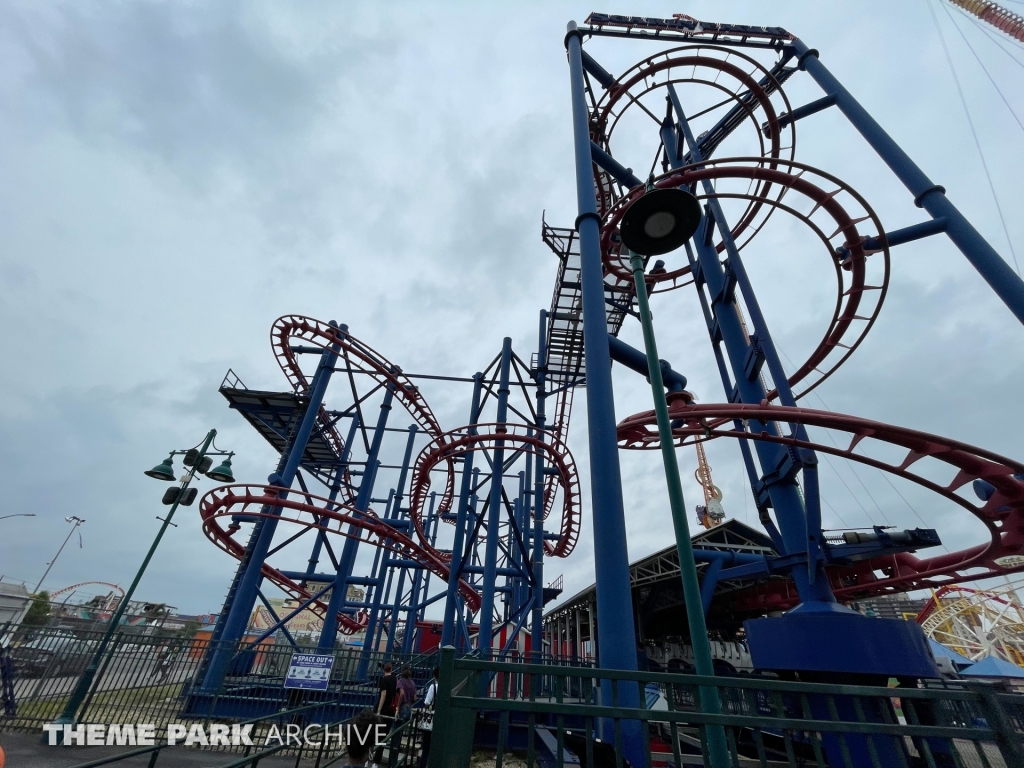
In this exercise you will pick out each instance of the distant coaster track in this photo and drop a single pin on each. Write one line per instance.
(321, 514)
(1002, 512)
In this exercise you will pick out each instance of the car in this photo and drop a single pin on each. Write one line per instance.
(53, 655)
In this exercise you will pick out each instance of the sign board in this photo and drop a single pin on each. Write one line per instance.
(311, 671)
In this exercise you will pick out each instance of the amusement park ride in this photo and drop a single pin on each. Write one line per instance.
(366, 468)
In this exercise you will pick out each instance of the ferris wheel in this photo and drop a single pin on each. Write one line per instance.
(976, 623)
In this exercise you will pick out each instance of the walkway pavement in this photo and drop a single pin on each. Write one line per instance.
(26, 750)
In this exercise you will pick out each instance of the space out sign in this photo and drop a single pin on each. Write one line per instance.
(309, 671)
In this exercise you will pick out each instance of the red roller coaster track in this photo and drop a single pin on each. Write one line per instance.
(548, 444)
(339, 517)
(1002, 513)
(313, 512)
(852, 313)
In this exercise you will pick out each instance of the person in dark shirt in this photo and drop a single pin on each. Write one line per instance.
(407, 694)
(361, 738)
(386, 701)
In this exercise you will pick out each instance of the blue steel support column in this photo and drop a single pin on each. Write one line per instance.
(470, 557)
(727, 386)
(495, 505)
(517, 565)
(780, 467)
(420, 582)
(396, 514)
(339, 593)
(244, 597)
(451, 604)
(537, 620)
(339, 479)
(928, 195)
(611, 559)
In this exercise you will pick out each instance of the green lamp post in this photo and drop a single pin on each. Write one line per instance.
(197, 460)
(661, 221)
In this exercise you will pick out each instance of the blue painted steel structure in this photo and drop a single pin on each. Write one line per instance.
(476, 506)
(498, 539)
(819, 635)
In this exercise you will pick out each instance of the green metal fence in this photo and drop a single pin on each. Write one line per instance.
(549, 715)
(150, 678)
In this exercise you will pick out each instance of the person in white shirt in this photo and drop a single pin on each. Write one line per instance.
(428, 703)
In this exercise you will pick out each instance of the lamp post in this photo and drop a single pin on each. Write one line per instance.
(198, 461)
(77, 522)
(659, 222)
(19, 514)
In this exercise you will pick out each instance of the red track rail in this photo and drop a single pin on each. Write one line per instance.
(1002, 514)
(646, 74)
(358, 356)
(451, 444)
(850, 315)
(312, 512)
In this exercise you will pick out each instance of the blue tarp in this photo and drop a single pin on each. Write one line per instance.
(941, 651)
(993, 667)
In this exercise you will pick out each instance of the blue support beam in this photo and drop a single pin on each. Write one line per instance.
(494, 508)
(453, 601)
(348, 556)
(635, 360)
(537, 502)
(779, 465)
(614, 598)
(396, 511)
(243, 594)
(928, 195)
(619, 172)
(596, 71)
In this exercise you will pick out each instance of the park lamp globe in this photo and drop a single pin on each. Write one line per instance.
(660, 221)
(164, 470)
(222, 473)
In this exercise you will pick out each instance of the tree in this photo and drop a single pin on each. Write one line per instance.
(39, 612)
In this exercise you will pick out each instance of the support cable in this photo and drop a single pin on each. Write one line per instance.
(883, 474)
(974, 133)
(838, 516)
(849, 464)
(994, 38)
(983, 67)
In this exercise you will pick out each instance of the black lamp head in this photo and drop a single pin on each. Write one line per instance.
(660, 221)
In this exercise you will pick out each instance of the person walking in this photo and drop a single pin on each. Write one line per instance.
(427, 723)
(406, 694)
(162, 668)
(361, 737)
(388, 686)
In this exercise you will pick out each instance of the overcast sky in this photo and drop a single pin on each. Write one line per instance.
(178, 175)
